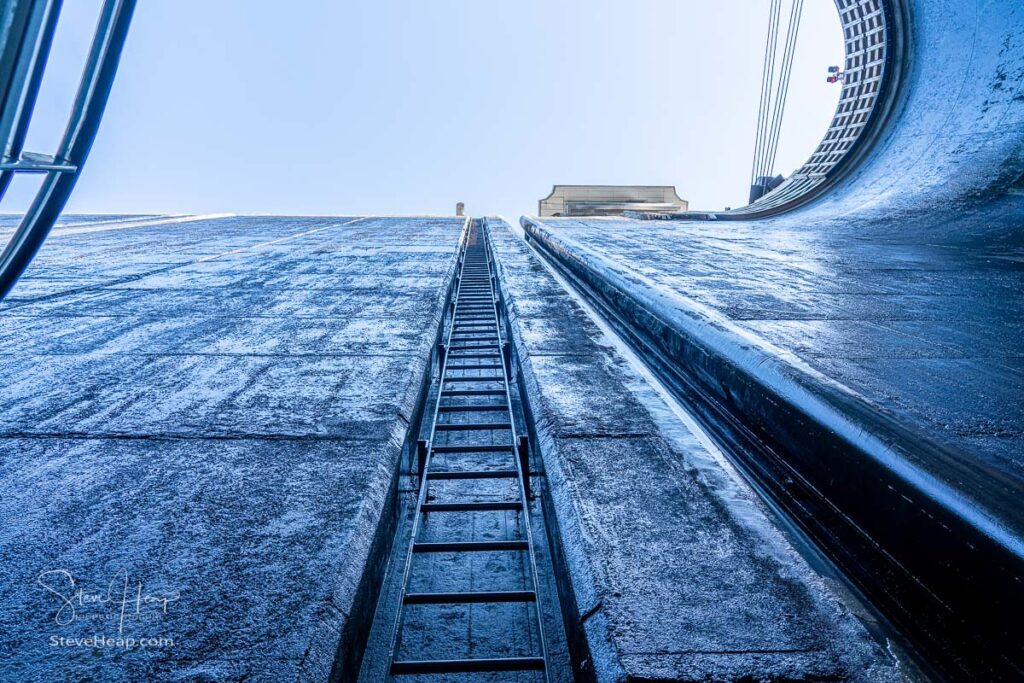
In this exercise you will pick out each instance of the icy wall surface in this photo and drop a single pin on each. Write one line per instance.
(882, 324)
(677, 571)
(903, 282)
(928, 333)
(199, 422)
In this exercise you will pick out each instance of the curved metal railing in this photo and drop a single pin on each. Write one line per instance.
(26, 34)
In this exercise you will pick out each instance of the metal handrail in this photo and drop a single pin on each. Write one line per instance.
(27, 28)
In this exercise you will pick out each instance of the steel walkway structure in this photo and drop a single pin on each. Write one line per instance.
(473, 469)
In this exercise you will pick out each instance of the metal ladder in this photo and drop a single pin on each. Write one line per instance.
(472, 424)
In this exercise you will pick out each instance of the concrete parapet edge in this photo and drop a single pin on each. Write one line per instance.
(947, 561)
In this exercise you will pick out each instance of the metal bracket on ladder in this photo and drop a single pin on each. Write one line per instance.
(506, 357)
(422, 448)
(523, 451)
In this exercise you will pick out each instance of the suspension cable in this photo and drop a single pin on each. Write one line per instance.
(770, 89)
(774, 89)
(767, 76)
(793, 33)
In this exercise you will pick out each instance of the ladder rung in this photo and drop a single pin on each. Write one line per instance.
(442, 666)
(473, 448)
(469, 409)
(473, 392)
(499, 506)
(468, 546)
(473, 474)
(479, 427)
(471, 355)
(490, 366)
(469, 597)
(489, 378)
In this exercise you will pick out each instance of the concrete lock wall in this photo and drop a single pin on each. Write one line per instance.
(914, 243)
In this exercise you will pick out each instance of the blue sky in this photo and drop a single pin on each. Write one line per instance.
(403, 106)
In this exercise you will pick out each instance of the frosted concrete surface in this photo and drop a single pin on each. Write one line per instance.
(675, 571)
(199, 425)
(927, 332)
(870, 339)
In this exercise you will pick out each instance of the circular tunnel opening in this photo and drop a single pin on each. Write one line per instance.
(866, 76)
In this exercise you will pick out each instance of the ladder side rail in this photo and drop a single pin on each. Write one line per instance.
(522, 472)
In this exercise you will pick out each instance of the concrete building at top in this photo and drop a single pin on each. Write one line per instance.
(610, 200)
